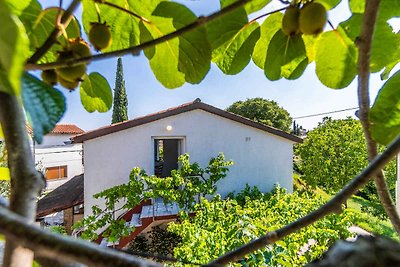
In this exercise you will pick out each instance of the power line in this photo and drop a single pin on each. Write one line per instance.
(324, 113)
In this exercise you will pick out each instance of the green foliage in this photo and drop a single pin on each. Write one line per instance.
(247, 194)
(159, 242)
(229, 41)
(14, 50)
(385, 113)
(333, 153)
(263, 111)
(120, 108)
(222, 225)
(42, 28)
(44, 104)
(183, 187)
(286, 57)
(336, 55)
(96, 93)
(58, 229)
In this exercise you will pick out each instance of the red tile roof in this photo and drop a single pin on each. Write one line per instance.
(61, 129)
(67, 129)
(197, 104)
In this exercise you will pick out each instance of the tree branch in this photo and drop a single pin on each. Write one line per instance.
(332, 206)
(136, 49)
(65, 19)
(364, 48)
(26, 182)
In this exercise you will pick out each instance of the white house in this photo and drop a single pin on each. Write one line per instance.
(262, 155)
(57, 157)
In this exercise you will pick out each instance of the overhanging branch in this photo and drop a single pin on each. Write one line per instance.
(136, 49)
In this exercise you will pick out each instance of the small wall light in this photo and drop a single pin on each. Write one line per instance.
(168, 128)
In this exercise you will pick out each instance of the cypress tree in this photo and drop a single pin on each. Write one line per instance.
(120, 108)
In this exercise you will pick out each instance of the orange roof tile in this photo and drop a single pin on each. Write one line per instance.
(61, 129)
(66, 129)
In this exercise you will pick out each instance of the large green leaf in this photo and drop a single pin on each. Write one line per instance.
(270, 26)
(286, 57)
(14, 47)
(44, 104)
(164, 57)
(96, 93)
(223, 29)
(194, 54)
(385, 44)
(233, 56)
(336, 59)
(42, 28)
(385, 113)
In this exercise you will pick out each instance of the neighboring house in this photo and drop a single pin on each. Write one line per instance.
(56, 157)
(262, 155)
(63, 205)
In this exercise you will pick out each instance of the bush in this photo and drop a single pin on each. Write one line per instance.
(222, 225)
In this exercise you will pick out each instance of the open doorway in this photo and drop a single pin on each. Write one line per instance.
(166, 153)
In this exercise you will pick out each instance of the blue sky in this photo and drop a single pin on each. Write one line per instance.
(303, 96)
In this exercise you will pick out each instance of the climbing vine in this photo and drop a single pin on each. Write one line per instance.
(185, 186)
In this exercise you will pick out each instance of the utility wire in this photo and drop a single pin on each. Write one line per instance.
(324, 113)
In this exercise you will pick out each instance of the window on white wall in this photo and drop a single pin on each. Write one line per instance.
(57, 172)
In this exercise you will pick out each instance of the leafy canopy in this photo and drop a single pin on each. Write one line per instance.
(333, 153)
(263, 111)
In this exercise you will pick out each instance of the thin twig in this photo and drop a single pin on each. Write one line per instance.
(364, 46)
(126, 10)
(52, 39)
(267, 14)
(136, 49)
(332, 206)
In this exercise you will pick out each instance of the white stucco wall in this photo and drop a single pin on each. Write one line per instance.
(260, 158)
(69, 155)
